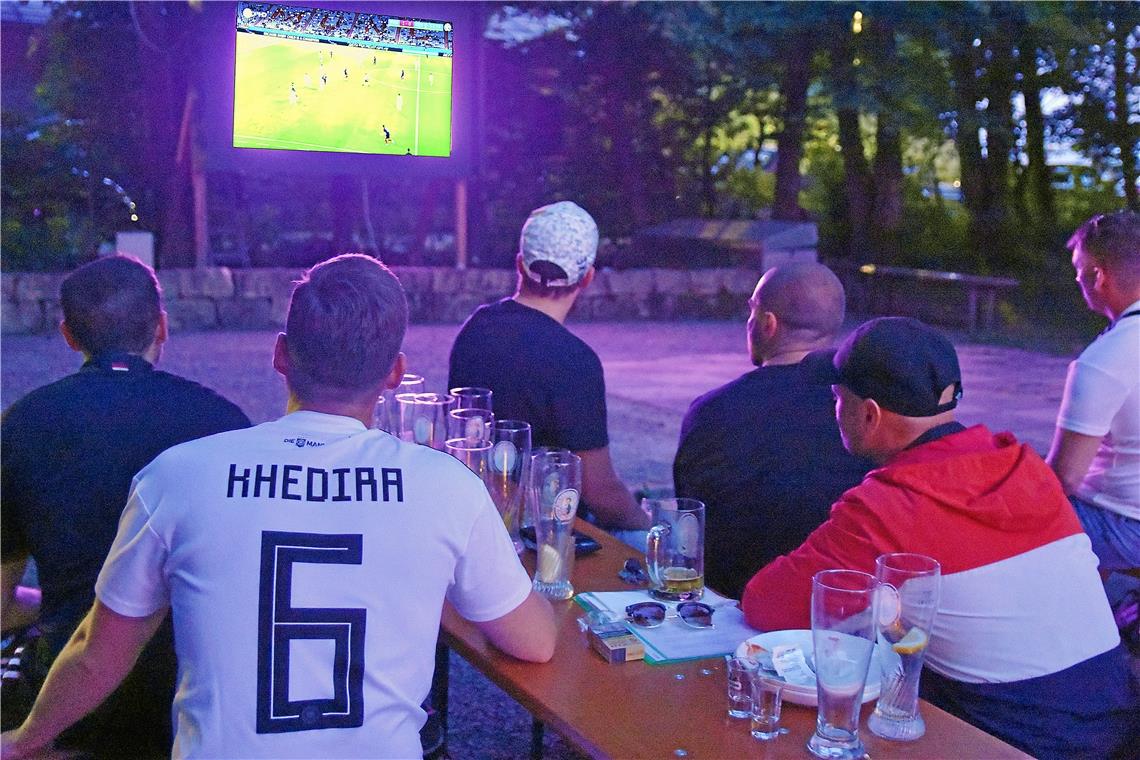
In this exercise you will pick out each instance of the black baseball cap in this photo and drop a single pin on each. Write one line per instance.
(901, 363)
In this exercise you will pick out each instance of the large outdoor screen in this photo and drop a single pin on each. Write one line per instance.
(316, 79)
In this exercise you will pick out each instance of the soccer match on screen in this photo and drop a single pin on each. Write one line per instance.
(327, 80)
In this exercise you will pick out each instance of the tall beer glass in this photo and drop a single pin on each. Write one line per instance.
(902, 642)
(844, 623)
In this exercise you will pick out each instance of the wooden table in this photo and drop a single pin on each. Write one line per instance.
(635, 709)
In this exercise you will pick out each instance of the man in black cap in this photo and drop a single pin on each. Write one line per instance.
(1023, 645)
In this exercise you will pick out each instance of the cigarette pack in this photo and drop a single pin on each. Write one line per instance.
(620, 646)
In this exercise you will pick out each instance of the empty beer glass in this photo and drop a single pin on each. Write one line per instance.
(556, 482)
(903, 638)
(472, 398)
(474, 454)
(510, 452)
(844, 623)
(423, 417)
(473, 424)
(675, 549)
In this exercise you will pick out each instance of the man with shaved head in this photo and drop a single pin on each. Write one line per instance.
(742, 445)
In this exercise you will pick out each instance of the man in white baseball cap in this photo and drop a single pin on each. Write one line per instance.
(539, 371)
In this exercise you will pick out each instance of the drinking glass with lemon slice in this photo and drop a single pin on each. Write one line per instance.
(907, 620)
(556, 482)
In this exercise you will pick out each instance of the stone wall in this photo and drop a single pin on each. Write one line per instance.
(252, 299)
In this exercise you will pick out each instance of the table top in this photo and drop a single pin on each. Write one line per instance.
(635, 709)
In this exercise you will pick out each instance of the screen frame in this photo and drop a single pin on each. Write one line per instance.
(217, 84)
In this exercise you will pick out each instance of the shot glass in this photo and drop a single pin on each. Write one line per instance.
(767, 697)
(740, 672)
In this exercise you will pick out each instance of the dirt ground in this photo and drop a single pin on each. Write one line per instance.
(653, 372)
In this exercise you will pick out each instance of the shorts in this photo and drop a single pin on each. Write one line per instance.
(1115, 538)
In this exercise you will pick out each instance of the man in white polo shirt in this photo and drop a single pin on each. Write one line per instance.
(306, 560)
(1096, 447)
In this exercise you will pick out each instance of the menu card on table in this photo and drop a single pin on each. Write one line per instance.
(673, 640)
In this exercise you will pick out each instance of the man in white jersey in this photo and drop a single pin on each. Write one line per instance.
(1096, 447)
(306, 560)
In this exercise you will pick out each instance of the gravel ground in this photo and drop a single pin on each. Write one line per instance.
(653, 371)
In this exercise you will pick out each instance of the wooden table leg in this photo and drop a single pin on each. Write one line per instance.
(537, 729)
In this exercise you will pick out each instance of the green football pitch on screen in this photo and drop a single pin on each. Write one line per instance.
(296, 95)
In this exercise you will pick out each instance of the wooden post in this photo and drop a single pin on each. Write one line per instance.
(461, 223)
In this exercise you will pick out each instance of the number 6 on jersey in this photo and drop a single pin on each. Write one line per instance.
(280, 624)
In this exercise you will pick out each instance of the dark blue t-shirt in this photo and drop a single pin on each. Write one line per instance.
(764, 454)
(68, 454)
(539, 371)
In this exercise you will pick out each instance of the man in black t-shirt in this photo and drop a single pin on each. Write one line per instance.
(539, 371)
(69, 452)
(763, 452)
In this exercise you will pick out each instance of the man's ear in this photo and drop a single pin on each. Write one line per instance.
(769, 325)
(587, 278)
(68, 336)
(281, 355)
(872, 414)
(162, 329)
(396, 376)
(519, 265)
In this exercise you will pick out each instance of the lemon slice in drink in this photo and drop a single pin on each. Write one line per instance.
(913, 643)
(549, 563)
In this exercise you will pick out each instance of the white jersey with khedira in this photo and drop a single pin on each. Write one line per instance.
(306, 561)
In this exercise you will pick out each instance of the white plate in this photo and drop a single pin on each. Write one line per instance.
(806, 695)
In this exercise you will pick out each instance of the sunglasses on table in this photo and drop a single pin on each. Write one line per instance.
(653, 614)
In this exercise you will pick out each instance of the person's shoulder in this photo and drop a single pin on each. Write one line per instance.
(46, 399)
(723, 398)
(1121, 344)
(199, 396)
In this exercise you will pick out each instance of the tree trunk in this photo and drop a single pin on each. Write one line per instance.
(886, 171)
(1040, 186)
(969, 146)
(887, 208)
(789, 145)
(856, 184)
(999, 131)
(1124, 134)
(856, 178)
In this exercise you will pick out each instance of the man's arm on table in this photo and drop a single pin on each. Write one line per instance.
(606, 495)
(19, 605)
(1070, 457)
(779, 596)
(98, 657)
(526, 632)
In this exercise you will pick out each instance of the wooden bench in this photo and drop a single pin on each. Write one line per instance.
(879, 289)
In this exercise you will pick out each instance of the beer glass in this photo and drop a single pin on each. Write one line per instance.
(556, 482)
(675, 549)
(529, 508)
(844, 624)
(510, 452)
(380, 419)
(903, 638)
(472, 424)
(391, 411)
(423, 417)
(472, 398)
(474, 454)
